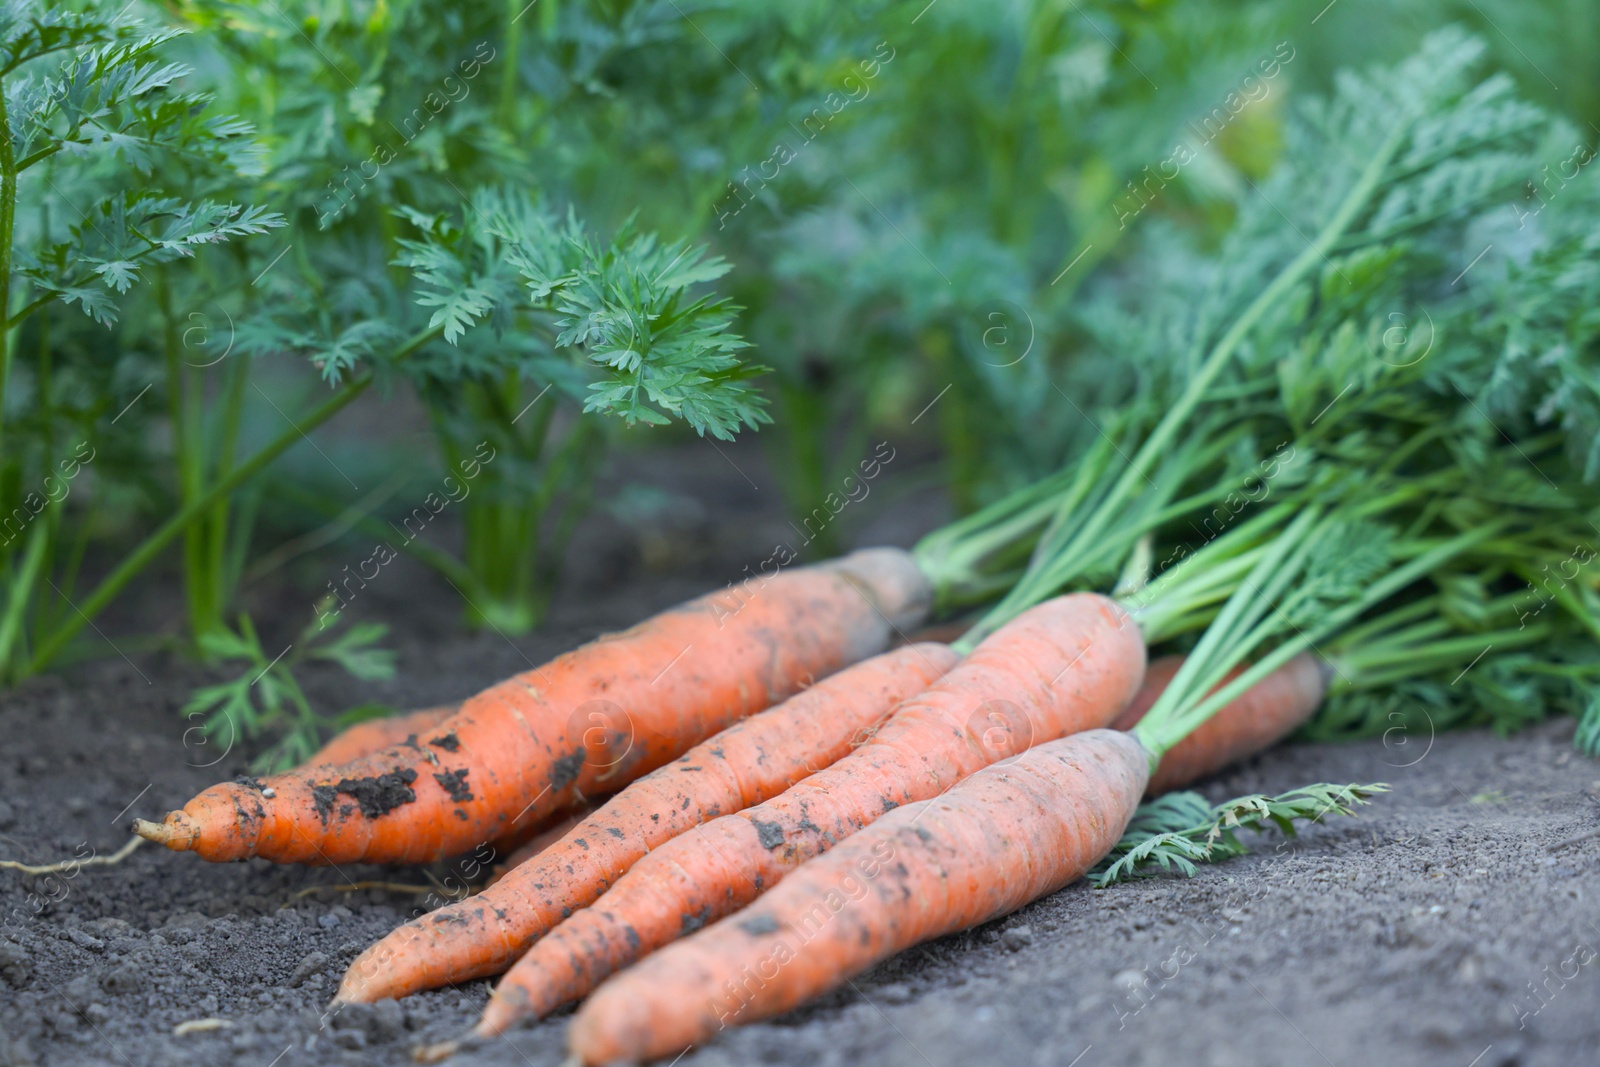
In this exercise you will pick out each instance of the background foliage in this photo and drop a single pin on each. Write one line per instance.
(574, 228)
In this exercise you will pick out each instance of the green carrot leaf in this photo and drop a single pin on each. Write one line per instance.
(1179, 831)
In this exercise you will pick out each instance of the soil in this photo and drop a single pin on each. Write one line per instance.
(1447, 924)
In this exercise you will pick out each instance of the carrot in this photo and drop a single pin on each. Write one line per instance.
(1005, 836)
(525, 850)
(587, 722)
(371, 735)
(1067, 665)
(1260, 717)
(745, 764)
(856, 916)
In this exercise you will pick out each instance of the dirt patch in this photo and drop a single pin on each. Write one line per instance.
(1440, 927)
(382, 793)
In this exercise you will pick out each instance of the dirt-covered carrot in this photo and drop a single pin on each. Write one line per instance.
(1067, 665)
(745, 764)
(1258, 718)
(997, 840)
(1005, 836)
(374, 735)
(585, 723)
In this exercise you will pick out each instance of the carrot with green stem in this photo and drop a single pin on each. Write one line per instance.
(745, 764)
(1103, 507)
(1066, 665)
(587, 722)
(1000, 838)
(726, 863)
(1069, 664)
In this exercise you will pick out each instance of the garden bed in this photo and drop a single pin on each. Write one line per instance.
(1407, 935)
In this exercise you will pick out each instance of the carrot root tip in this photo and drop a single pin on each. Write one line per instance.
(435, 1053)
(151, 831)
(177, 831)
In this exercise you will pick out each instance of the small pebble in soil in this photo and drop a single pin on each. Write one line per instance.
(15, 967)
(121, 980)
(351, 1039)
(84, 939)
(310, 965)
(1017, 937)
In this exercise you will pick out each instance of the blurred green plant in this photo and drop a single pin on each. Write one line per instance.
(972, 225)
(266, 697)
(93, 120)
(527, 328)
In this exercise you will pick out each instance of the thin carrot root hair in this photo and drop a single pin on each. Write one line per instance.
(72, 865)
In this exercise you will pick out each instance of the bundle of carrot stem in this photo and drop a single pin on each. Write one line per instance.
(795, 801)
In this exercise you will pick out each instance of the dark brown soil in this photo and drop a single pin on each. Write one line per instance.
(1440, 927)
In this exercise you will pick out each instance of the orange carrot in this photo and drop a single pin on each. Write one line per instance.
(521, 852)
(372, 735)
(1260, 717)
(745, 764)
(587, 722)
(737, 975)
(1003, 837)
(1067, 665)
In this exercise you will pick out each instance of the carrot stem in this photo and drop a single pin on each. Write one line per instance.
(1170, 720)
(1090, 532)
(152, 545)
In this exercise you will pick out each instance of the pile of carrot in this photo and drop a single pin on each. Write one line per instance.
(743, 801)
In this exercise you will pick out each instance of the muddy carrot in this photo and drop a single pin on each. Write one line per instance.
(374, 735)
(585, 723)
(745, 764)
(1067, 665)
(1257, 719)
(1005, 836)
(997, 840)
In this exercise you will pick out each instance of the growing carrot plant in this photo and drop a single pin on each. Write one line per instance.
(436, 248)
(95, 122)
(267, 698)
